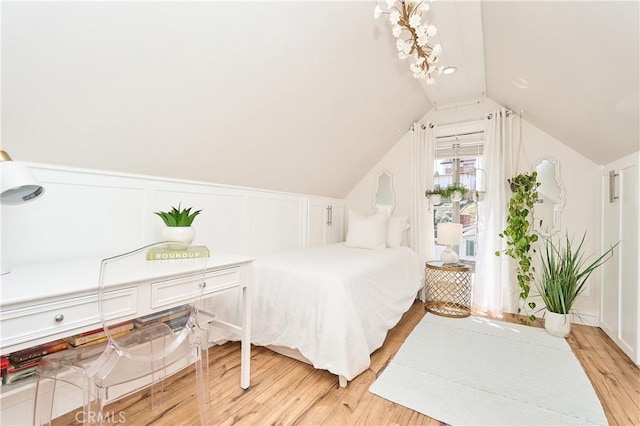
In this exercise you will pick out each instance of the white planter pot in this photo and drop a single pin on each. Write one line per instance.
(456, 196)
(183, 234)
(558, 325)
(435, 199)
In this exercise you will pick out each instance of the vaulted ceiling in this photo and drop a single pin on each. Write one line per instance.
(297, 96)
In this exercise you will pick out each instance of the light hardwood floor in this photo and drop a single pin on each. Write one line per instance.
(285, 391)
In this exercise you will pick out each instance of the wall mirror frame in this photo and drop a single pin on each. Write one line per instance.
(384, 199)
(551, 197)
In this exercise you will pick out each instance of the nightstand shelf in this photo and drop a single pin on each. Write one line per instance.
(448, 289)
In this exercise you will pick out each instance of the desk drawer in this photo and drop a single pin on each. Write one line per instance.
(30, 322)
(188, 289)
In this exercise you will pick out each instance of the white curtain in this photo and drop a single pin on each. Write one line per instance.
(421, 215)
(493, 292)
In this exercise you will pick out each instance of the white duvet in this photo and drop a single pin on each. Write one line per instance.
(332, 303)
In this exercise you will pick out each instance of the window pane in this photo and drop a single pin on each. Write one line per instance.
(461, 170)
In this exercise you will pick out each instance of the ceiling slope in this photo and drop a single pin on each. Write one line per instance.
(459, 26)
(295, 96)
(579, 62)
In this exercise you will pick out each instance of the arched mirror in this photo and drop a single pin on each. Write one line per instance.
(548, 207)
(384, 199)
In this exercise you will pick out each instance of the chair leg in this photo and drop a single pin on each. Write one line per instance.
(43, 400)
(95, 397)
(158, 373)
(202, 375)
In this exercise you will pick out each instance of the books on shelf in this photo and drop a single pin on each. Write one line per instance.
(36, 352)
(99, 334)
(165, 253)
(14, 374)
(104, 338)
(23, 363)
(163, 316)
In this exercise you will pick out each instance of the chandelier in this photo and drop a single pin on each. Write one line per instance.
(406, 21)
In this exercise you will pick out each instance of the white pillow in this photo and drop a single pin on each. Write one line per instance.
(396, 228)
(367, 232)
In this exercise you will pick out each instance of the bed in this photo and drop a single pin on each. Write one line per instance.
(330, 306)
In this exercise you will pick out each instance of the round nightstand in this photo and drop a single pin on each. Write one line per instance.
(448, 289)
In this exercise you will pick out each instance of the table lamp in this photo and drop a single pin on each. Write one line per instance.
(18, 185)
(449, 234)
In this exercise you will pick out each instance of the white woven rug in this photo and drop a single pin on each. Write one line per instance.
(476, 371)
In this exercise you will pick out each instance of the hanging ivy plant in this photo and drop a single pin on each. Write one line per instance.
(519, 233)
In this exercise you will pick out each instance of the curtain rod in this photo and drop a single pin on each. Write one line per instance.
(460, 134)
(421, 125)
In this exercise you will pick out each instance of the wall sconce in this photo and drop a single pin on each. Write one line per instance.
(18, 183)
(449, 234)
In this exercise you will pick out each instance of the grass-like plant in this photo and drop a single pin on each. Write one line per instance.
(456, 186)
(178, 216)
(446, 192)
(565, 271)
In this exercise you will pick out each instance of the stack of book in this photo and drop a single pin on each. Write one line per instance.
(175, 318)
(99, 335)
(22, 364)
(165, 253)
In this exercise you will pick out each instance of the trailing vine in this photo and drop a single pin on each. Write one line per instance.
(519, 233)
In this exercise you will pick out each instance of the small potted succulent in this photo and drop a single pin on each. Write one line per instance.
(178, 226)
(435, 195)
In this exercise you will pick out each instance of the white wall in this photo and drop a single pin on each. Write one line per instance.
(579, 175)
(243, 93)
(397, 160)
(89, 213)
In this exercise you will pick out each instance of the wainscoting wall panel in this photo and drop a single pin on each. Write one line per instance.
(88, 213)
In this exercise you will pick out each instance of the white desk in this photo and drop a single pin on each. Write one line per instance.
(45, 302)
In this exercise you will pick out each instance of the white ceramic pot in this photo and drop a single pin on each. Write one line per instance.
(183, 234)
(435, 199)
(558, 325)
(456, 196)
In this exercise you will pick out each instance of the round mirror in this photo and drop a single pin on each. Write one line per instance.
(384, 198)
(548, 207)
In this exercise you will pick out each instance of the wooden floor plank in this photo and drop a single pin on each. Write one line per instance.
(619, 407)
(285, 391)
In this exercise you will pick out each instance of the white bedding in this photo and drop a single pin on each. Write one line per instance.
(334, 304)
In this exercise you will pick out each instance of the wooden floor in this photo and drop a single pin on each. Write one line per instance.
(284, 391)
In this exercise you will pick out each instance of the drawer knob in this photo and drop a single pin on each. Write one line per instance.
(203, 284)
(58, 318)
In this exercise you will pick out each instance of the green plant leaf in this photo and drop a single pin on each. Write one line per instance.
(178, 216)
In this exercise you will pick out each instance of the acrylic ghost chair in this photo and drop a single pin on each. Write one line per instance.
(145, 355)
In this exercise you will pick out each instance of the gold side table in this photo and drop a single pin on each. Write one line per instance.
(448, 289)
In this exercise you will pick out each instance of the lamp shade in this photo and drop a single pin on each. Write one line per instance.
(449, 234)
(18, 185)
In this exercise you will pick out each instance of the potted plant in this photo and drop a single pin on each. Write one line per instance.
(178, 226)
(456, 191)
(520, 235)
(435, 195)
(563, 278)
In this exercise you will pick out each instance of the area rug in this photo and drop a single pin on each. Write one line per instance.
(474, 371)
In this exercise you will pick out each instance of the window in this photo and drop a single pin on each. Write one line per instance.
(458, 159)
